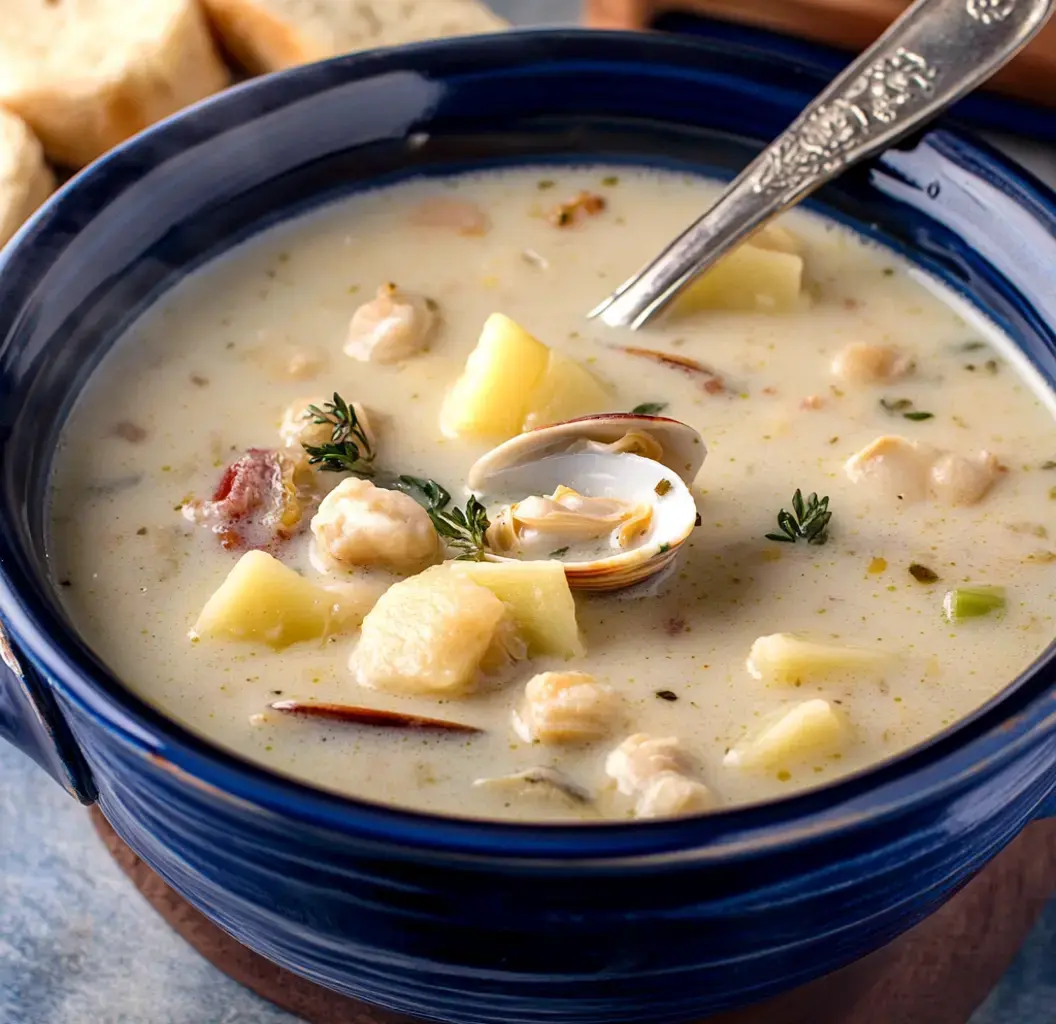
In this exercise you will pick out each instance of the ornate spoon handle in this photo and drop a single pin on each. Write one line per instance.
(931, 56)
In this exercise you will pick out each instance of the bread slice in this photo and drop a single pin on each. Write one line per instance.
(268, 35)
(87, 74)
(25, 179)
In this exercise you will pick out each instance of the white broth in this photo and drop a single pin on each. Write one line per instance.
(208, 372)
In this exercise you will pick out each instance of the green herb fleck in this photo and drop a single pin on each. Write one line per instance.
(610, 181)
(991, 366)
(667, 695)
(649, 409)
(918, 417)
(808, 520)
(349, 449)
(664, 547)
(463, 529)
(888, 271)
(922, 574)
(662, 487)
(1049, 464)
(973, 346)
(894, 405)
(546, 183)
(428, 493)
(558, 553)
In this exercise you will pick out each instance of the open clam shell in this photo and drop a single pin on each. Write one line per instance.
(629, 478)
(675, 445)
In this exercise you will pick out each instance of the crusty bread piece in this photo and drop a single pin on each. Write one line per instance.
(25, 179)
(87, 74)
(268, 35)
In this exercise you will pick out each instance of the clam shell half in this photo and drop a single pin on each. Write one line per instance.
(681, 448)
(627, 477)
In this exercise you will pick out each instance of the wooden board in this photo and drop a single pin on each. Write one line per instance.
(850, 24)
(938, 973)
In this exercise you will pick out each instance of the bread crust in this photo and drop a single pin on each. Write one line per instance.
(81, 113)
(25, 179)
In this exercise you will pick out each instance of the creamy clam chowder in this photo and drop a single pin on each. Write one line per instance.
(323, 504)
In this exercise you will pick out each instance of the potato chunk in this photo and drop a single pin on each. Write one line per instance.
(538, 599)
(490, 399)
(264, 601)
(784, 658)
(809, 729)
(429, 634)
(566, 390)
(565, 707)
(360, 524)
(749, 278)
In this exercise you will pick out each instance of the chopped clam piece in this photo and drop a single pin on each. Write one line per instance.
(392, 327)
(784, 658)
(359, 524)
(672, 795)
(865, 363)
(894, 465)
(809, 729)
(300, 426)
(430, 634)
(565, 707)
(538, 525)
(458, 215)
(641, 757)
(910, 471)
(547, 783)
(961, 480)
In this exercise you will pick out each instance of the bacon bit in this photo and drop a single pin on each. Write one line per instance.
(133, 433)
(851, 303)
(261, 481)
(812, 402)
(713, 384)
(369, 716)
(566, 213)
(457, 215)
(769, 391)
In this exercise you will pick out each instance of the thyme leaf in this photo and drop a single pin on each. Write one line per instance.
(349, 449)
(428, 493)
(808, 520)
(463, 529)
(649, 409)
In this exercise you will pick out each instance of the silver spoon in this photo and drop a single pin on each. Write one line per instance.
(931, 56)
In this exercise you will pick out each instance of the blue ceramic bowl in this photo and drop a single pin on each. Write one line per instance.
(461, 921)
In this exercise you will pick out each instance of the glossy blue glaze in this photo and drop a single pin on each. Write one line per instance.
(471, 922)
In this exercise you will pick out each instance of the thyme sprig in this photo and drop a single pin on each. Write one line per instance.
(349, 449)
(808, 520)
(428, 493)
(463, 529)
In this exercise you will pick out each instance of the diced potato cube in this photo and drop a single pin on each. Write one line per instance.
(809, 729)
(566, 390)
(428, 635)
(266, 602)
(777, 239)
(490, 399)
(749, 278)
(784, 658)
(539, 600)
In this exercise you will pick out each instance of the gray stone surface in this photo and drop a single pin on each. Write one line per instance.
(78, 946)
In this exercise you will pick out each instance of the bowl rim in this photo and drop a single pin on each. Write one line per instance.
(937, 769)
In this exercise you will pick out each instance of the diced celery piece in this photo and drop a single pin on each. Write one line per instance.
(972, 602)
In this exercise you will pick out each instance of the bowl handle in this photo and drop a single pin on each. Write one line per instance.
(30, 719)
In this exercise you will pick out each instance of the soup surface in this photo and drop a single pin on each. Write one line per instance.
(774, 665)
